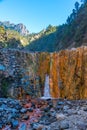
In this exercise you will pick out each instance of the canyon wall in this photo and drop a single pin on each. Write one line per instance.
(23, 73)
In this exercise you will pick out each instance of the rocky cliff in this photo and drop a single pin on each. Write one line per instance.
(17, 27)
(23, 73)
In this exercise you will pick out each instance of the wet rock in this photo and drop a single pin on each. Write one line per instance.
(82, 126)
(60, 103)
(18, 107)
(50, 105)
(1, 109)
(47, 119)
(25, 117)
(13, 110)
(48, 99)
(48, 114)
(23, 110)
(80, 112)
(65, 108)
(53, 113)
(74, 118)
(23, 126)
(64, 125)
(11, 116)
(85, 109)
(71, 111)
(28, 105)
(59, 107)
(30, 109)
(33, 105)
(52, 119)
(3, 106)
(60, 116)
(14, 124)
(36, 126)
(0, 126)
(46, 109)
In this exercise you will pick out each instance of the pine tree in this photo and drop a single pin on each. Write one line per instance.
(77, 6)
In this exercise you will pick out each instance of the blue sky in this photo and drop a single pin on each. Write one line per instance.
(36, 14)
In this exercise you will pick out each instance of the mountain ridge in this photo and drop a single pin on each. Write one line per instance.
(21, 28)
(71, 34)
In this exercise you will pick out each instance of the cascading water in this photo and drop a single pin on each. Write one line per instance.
(46, 88)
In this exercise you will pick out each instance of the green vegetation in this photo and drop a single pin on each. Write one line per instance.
(11, 39)
(54, 38)
(3, 36)
(44, 40)
(71, 34)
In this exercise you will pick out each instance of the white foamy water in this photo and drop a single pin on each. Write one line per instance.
(46, 88)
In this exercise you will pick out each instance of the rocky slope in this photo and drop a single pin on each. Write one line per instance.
(26, 72)
(17, 27)
(44, 41)
(12, 39)
(73, 33)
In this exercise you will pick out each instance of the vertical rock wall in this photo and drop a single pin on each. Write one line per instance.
(26, 73)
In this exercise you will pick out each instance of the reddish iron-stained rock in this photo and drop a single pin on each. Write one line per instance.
(67, 71)
(28, 105)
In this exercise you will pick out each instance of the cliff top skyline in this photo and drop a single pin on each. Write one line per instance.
(36, 14)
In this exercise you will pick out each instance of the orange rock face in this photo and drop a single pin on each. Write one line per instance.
(72, 66)
(67, 72)
(54, 88)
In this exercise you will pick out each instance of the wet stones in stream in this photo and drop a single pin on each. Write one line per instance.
(37, 114)
(14, 124)
(65, 115)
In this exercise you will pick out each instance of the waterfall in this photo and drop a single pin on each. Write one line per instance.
(46, 88)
